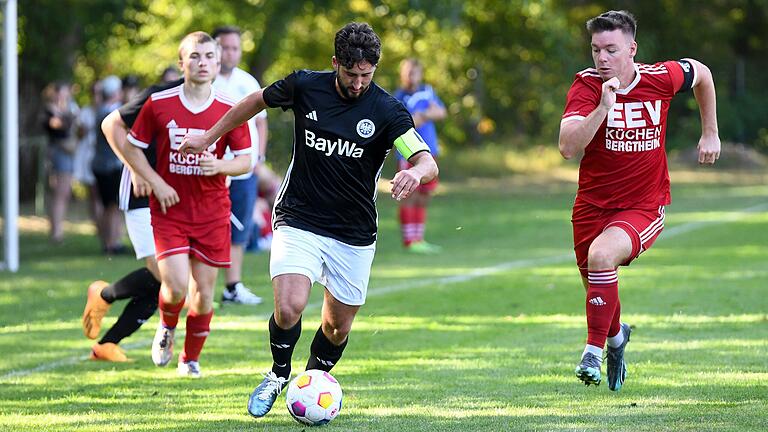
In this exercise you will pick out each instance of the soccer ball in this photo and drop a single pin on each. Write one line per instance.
(314, 397)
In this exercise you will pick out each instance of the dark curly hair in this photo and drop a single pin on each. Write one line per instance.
(357, 42)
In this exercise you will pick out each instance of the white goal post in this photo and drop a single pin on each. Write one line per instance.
(10, 138)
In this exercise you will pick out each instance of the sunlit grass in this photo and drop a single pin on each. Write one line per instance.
(483, 337)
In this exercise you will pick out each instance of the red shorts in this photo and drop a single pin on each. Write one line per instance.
(426, 188)
(589, 221)
(208, 242)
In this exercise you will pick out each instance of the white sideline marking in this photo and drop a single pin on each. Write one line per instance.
(474, 274)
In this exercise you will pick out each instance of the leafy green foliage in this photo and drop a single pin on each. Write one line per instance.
(502, 67)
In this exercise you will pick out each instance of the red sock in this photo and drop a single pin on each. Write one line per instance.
(406, 224)
(198, 328)
(419, 220)
(267, 228)
(616, 321)
(602, 300)
(169, 313)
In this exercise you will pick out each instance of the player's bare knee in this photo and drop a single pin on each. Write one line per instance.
(601, 258)
(287, 315)
(336, 332)
(173, 290)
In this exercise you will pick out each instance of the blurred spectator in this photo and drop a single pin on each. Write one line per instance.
(107, 168)
(131, 87)
(86, 149)
(269, 184)
(426, 108)
(238, 84)
(170, 74)
(60, 124)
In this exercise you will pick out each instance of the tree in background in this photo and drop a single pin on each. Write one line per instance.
(501, 66)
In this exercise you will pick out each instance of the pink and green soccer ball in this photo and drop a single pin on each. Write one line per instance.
(314, 397)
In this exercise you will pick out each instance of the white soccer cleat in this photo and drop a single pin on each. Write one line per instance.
(162, 345)
(241, 295)
(189, 369)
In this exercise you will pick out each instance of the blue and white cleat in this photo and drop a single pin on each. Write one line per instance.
(264, 396)
(617, 368)
(589, 369)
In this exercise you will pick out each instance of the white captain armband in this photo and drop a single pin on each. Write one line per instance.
(410, 143)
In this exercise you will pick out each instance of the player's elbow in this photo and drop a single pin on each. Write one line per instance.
(703, 73)
(130, 152)
(568, 140)
(566, 151)
(107, 124)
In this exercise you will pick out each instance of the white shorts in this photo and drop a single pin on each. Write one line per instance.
(139, 224)
(343, 269)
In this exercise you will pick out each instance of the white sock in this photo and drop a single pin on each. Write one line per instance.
(616, 341)
(594, 350)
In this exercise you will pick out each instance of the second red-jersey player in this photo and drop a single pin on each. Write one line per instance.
(203, 200)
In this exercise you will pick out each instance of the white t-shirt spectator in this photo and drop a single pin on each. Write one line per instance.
(239, 85)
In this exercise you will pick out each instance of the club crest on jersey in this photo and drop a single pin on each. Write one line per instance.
(366, 128)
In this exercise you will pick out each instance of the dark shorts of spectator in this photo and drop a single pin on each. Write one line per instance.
(108, 184)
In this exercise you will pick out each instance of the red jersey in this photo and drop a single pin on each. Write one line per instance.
(164, 119)
(625, 164)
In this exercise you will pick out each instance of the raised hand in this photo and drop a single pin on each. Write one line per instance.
(193, 143)
(608, 97)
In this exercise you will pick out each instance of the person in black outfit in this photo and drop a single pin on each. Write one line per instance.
(325, 214)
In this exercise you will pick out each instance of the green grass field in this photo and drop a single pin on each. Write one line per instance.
(484, 336)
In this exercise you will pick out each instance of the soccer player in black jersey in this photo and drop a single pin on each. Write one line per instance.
(142, 285)
(325, 216)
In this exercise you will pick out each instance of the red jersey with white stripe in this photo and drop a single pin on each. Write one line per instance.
(625, 164)
(164, 119)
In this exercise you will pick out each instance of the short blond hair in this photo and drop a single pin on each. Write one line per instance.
(198, 37)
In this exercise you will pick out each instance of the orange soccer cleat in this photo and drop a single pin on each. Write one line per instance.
(95, 309)
(108, 352)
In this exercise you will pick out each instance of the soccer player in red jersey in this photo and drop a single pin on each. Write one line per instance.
(616, 114)
(190, 204)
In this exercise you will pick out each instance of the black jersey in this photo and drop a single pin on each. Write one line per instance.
(338, 153)
(129, 112)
